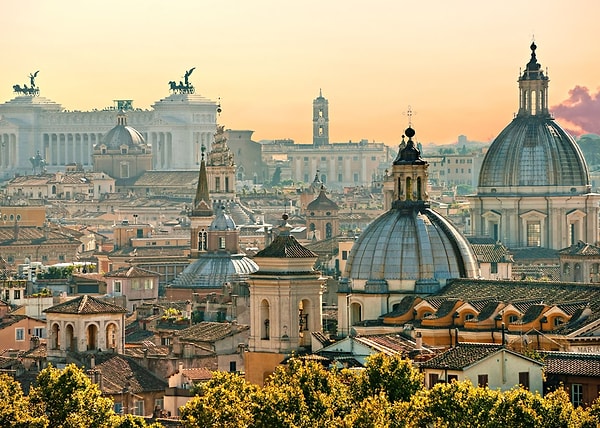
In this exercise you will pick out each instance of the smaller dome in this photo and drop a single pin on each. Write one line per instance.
(123, 135)
(222, 221)
(322, 202)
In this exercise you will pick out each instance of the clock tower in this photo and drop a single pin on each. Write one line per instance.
(320, 120)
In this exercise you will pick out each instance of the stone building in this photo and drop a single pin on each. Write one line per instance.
(84, 324)
(175, 128)
(338, 164)
(285, 304)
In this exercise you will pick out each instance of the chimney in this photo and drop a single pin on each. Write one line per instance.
(419, 341)
(180, 369)
(92, 362)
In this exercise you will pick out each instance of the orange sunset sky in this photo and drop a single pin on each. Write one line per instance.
(455, 62)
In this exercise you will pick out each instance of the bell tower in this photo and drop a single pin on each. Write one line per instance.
(286, 296)
(320, 120)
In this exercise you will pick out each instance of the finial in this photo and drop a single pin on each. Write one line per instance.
(219, 110)
(320, 92)
(203, 149)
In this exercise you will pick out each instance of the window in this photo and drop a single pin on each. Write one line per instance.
(340, 177)
(138, 407)
(232, 366)
(118, 407)
(61, 257)
(19, 334)
(222, 242)
(524, 379)
(494, 267)
(482, 380)
(344, 255)
(117, 287)
(16, 294)
(513, 319)
(40, 332)
(148, 284)
(218, 184)
(7, 295)
(433, 379)
(534, 234)
(577, 394)
(373, 158)
(323, 158)
(452, 377)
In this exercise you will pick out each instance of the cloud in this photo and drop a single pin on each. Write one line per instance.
(581, 110)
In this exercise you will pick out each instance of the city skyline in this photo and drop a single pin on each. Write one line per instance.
(455, 64)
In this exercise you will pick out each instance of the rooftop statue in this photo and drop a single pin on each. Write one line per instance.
(28, 90)
(184, 87)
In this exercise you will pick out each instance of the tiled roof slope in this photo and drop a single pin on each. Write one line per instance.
(463, 356)
(85, 305)
(210, 331)
(131, 272)
(286, 247)
(581, 249)
(572, 364)
(534, 293)
(119, 371)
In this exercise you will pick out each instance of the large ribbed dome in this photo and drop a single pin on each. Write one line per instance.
(533, 154)
(410, 248)
(416, 245)
(533, 151)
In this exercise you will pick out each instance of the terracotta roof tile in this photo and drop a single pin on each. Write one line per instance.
(85, 305)
(571, 364)
(120, 371)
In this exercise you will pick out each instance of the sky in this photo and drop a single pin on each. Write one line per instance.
(455, 63)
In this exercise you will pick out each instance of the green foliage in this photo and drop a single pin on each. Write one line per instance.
(68, 398)
(394, 376)
(226, 401)
(15, 409)
(305, 394)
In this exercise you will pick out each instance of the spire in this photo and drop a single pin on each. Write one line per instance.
(202, 200)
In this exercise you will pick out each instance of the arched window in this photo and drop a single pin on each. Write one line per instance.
(328, 230)
(409, 189)
(265, 323)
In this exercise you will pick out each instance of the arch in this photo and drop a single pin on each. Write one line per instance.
(55, 332)
(577, 273)
(355, 313)
(91, 333)
(419, 189)
(264, 320)
(111, 334)
(70, 342)
(409, 188)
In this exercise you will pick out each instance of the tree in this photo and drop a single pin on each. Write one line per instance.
(15, 410)
(307, 394)
(68, 398)
(225, 401)
(393, 375)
